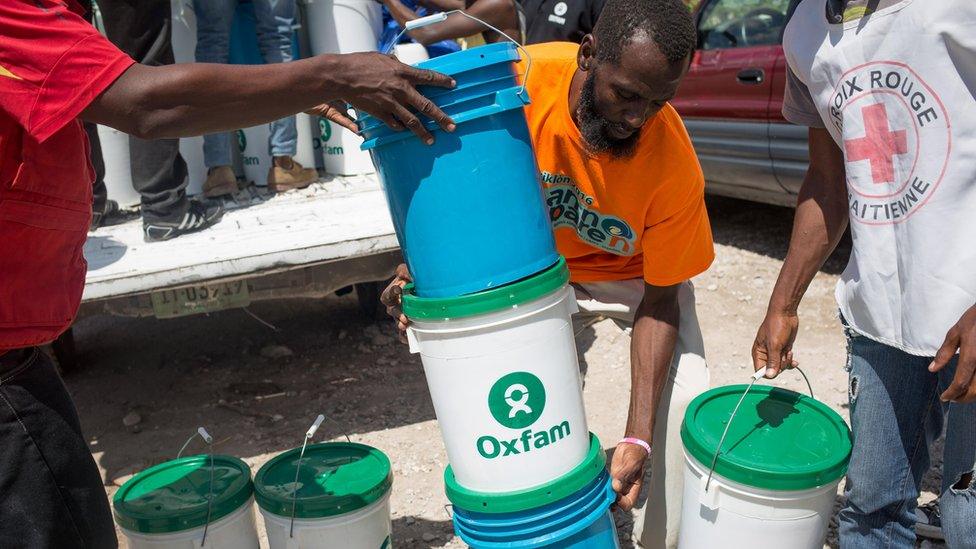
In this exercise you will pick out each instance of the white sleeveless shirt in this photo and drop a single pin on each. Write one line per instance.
(896, 91)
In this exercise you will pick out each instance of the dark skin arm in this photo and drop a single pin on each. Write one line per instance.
(194, 99)
(654, 336)
(821, 218)
(443, 5)
(499, 13)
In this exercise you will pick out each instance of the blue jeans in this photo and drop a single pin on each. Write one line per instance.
(274, 26)
(896, 415)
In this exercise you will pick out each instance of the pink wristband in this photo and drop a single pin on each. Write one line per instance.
(631, 440)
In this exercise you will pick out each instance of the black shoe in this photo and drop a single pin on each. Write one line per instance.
(198, 216)
(99, 218)
(928, 521)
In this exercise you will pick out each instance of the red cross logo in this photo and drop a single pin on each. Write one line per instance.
(879, 145)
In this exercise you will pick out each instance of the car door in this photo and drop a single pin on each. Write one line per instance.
(725, 98)
(788, 144)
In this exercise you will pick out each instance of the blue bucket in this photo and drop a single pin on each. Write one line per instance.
(580, 521)
(468, 211)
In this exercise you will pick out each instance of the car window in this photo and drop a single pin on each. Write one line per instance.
(742, 23)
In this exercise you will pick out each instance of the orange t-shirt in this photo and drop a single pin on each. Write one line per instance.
(616, 219)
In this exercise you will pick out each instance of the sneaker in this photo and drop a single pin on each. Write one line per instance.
(294, 176)
(220, 181)
(928, 521)
(198, 216)
(98, 218)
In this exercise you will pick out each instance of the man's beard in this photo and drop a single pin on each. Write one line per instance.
(596, 129)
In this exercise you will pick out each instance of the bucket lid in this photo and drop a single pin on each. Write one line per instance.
(488, 301)
(336, 478)
(779, 439)
(522, 500)
(474, 58)
(172, 496)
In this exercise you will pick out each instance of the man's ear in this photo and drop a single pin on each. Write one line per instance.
(586, 55)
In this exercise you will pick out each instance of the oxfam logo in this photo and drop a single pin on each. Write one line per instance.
(325, 129)
(241, 140)
(517, 400)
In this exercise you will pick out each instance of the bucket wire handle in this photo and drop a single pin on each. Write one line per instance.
(203, 434)
(755, 377)
(294, 495)
(442, 16)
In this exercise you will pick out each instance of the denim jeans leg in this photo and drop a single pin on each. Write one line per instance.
(958, 497)
(214, 20)
(275, 19)
(894, 416)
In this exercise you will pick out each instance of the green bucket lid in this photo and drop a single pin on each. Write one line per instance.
(488, 301)
(172, 496)
(336, 478)
(779, 439)
(522, 500)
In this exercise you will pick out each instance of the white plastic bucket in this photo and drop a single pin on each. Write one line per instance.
(118, 170)
(367, 528)
(255, 154)
(410, 53)
(506, 386)
(235, 531)
(735, 516)
(344, 26)
(308, 153)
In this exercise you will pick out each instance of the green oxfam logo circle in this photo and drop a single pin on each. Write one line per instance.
(241, 140)
(517, 400)
(325, 129)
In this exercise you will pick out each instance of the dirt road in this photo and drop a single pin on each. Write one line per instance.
(257, 389)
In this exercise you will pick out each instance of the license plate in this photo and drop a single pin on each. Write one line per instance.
(203, 298)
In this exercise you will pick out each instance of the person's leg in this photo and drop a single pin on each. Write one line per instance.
(52, 492)
(143, 30)
(895, 416)
(658, 519)
(957, 502)
(214, 19)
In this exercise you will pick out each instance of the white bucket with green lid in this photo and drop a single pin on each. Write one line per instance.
(504, 378)
(775, 480)
(166, 506)
(341, 499)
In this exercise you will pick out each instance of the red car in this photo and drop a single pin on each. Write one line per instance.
(731, 101)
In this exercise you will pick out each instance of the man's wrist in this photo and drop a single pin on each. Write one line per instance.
(637, 442)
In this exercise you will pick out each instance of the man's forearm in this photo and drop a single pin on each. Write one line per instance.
(195, 99)
(821, 218)
(653, 340)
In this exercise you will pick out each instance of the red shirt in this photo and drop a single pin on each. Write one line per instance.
(53, 63)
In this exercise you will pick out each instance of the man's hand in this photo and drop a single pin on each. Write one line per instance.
(335, 111)
(392, 297)
(773, 348)
(386, 88)
(961, 337)
(627, 472)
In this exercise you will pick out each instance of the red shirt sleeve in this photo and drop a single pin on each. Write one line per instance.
(53, 64)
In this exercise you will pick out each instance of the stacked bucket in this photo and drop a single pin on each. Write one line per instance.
(490, 311)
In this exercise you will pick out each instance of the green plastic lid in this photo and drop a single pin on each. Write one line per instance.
(336, 478)
(172, 496)
(779, 439)
(489, 301)
(522, 500)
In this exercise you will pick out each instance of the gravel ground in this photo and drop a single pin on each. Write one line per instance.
(148, 384)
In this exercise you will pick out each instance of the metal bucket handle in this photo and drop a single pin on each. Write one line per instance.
(203, 434)
(442, 16)
(718, 449)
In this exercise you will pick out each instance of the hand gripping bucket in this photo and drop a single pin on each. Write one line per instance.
(572, 512)
(182, 503)
(504, 378)
(340, 500)
(468, 210)
(762, 465)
